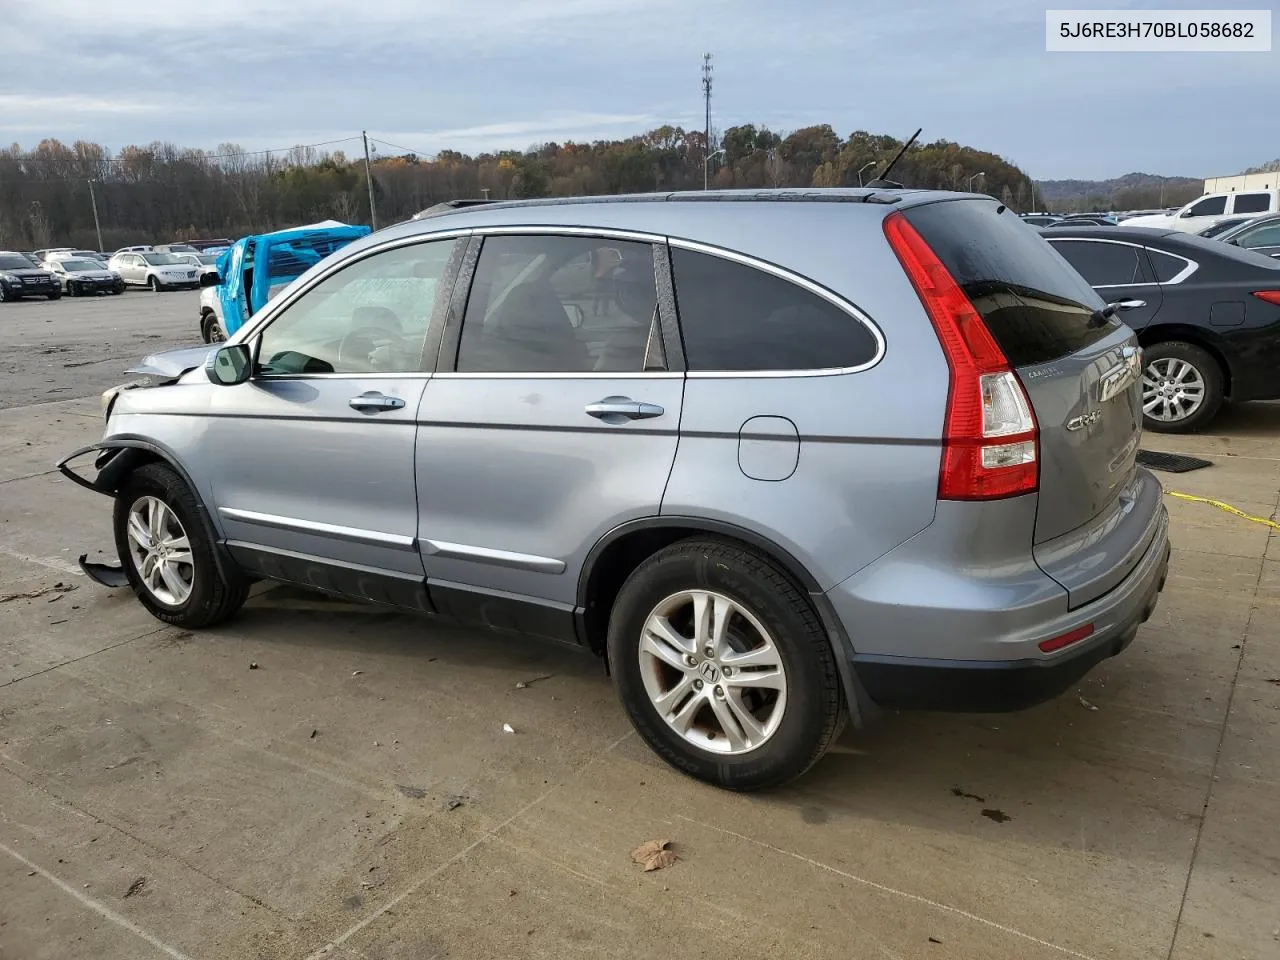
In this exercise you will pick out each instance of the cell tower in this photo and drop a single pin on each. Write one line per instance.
(706, 96)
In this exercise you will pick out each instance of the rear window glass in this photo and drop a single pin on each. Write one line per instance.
(1252, 203)
(1035, 305)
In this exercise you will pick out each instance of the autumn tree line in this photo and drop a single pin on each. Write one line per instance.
(163, 192)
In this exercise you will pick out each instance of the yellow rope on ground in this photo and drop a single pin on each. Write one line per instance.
(1224, 506)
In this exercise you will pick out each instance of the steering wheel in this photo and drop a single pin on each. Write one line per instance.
(361, 344)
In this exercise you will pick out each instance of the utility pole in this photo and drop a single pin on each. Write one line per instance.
(93, 199)
(706, 96)
(368, 176)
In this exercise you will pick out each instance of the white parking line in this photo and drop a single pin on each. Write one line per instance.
(53, 563)
(98, 908)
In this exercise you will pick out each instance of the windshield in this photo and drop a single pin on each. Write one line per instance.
(77, 265)
(10, 261)
(208, 259)
(161, 259)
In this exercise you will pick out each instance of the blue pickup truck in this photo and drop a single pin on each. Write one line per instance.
(242, 287)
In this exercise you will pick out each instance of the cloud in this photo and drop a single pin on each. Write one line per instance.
(487, 74)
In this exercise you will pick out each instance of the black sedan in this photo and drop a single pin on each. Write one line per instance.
(19, 278)
(1207, 315)
(81, 278)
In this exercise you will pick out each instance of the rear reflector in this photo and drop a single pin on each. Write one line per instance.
(1271, 296)
(990, 439)
(1075, 636)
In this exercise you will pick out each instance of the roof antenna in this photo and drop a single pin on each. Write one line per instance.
(880, 181)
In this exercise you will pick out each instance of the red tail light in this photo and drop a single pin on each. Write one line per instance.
(990, 438)
(1271, 296)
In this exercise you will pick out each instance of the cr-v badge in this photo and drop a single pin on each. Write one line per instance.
(1079, 423)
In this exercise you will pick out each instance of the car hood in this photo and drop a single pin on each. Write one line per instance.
(92, 274)
(171, 364)
(20, 272)
(1149, 220)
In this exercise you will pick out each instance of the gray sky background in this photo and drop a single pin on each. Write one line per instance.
(479, 75)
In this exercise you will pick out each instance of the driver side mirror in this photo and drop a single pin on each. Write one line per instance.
(210, 279)
(229, 365)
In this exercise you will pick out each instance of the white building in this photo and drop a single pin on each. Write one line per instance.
(1243, 181)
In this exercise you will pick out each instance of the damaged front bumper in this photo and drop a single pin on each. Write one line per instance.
(113, 461)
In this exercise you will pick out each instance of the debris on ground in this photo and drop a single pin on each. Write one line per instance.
(999, 816)
(454, 802)
(58, 588)
(1086, 704)
(135, 887)
(654, 855)
(532, 680)
(356, 673)
(508, 728)
(253, 664)
(964, 795)
(413, 793)
(934, 940)
(313, 734)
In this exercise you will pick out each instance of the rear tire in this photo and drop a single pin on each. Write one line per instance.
(196, 593)
(789, 685)
(1174, 375)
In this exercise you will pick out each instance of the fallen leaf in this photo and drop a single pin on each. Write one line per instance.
(1086, 704)
(135, 887)
(654, 855)
(313, 734)
(934, 940)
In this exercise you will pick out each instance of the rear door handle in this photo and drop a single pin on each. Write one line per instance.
(373, 401)
(621, 409)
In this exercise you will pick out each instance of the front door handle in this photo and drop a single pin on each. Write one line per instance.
(372, 401)
(621, 409)
(1130, 304)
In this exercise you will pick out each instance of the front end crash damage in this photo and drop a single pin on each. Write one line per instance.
(114, 461)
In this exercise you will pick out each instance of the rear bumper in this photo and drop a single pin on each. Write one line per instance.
(994, 685)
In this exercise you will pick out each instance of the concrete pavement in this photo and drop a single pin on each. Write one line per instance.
(356, 796)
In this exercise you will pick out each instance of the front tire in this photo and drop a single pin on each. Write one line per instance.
(154, 283)
(167, 553)
(723, 665)
(1182, 388)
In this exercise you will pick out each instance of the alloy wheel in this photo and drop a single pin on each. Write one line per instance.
(1172, 390)
(160, 551)
(712, 672)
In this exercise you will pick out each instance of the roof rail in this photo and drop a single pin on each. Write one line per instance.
(449, 206)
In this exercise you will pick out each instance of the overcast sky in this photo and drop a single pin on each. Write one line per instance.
(483, 74)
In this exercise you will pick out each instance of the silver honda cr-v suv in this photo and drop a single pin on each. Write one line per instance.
(780, 458)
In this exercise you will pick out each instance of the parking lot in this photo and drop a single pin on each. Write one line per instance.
(320, 779)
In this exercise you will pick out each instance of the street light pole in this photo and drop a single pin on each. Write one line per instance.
(980, 173)
(869, 163)
(93, 199)
(368, 176)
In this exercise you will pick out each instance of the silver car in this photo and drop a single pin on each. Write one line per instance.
(779, 459)
(158, 271)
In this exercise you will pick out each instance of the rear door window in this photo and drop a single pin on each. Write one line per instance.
(737, 317)
(1252, 203)
(1267, 236)
(1035, 305)
(1106, 264)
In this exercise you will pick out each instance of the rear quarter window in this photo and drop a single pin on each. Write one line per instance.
(1035, 305)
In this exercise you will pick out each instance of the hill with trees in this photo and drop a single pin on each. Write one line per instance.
(162, 191)
(1133, 191)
